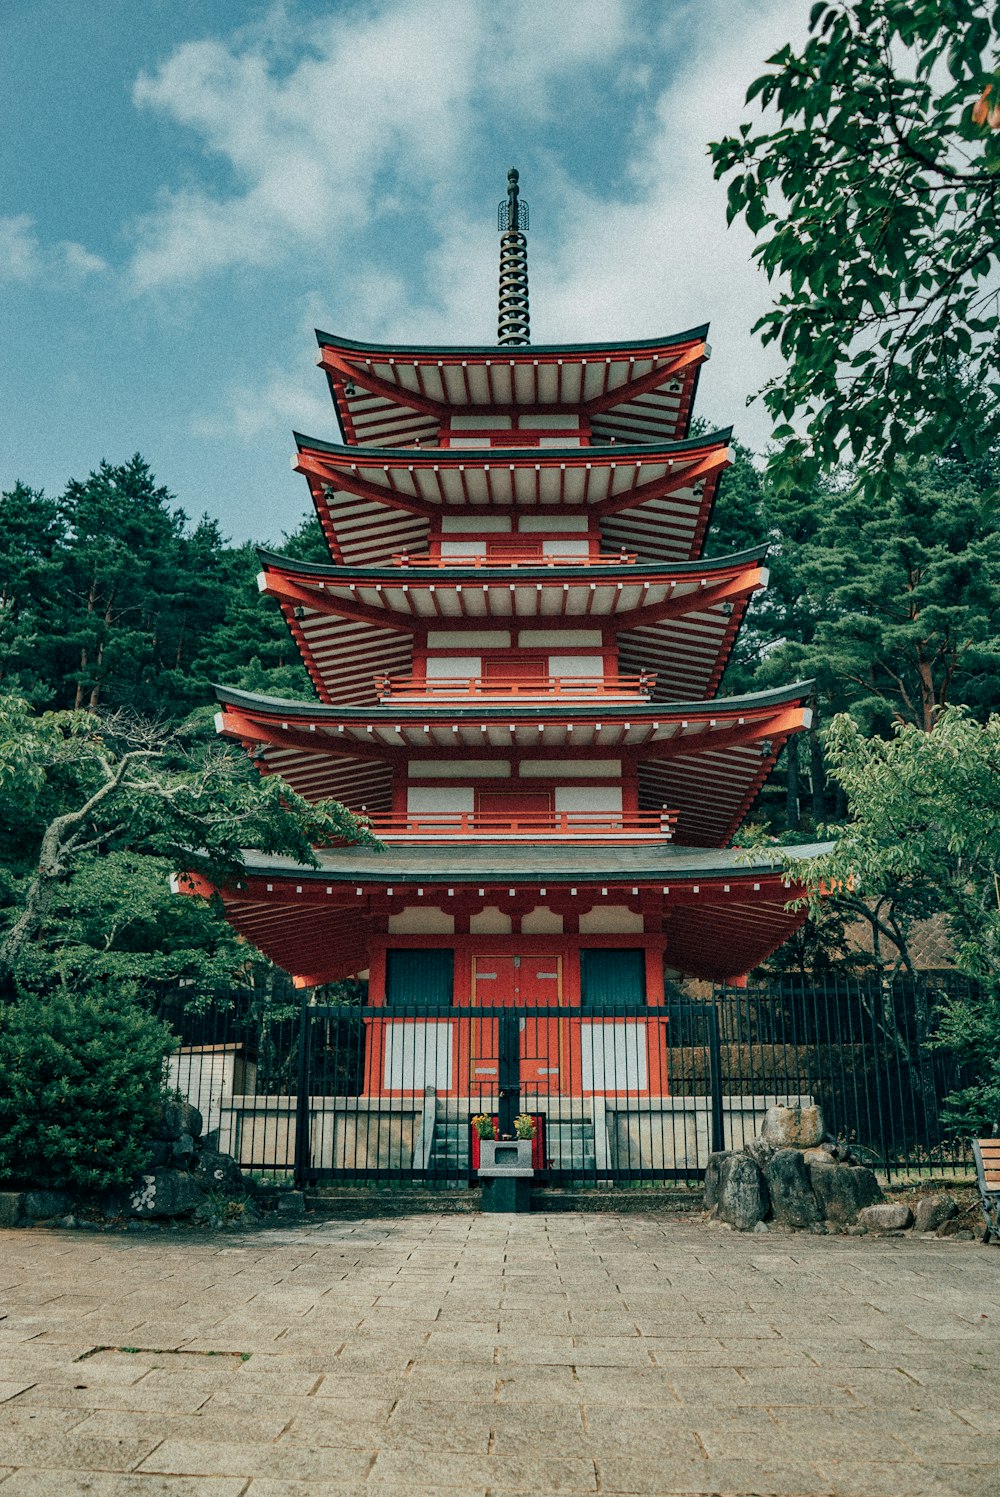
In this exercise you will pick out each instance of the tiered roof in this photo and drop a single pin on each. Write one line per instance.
(425, 447)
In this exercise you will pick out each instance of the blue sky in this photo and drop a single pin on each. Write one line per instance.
(189, 187)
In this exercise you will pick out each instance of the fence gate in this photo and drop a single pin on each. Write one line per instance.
(616, 1093)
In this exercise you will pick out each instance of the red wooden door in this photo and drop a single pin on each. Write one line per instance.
(506, 672)
(523, 982)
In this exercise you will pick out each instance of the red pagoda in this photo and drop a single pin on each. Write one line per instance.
(516, 648)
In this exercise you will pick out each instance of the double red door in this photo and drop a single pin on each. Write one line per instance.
(516, 982)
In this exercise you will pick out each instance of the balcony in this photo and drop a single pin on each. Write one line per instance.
(506, 688)
(516, 556)
(527, 826)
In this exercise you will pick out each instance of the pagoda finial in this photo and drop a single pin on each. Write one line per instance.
(512, 219)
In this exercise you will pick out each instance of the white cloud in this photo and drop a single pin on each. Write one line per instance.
(20, 253)
(381, 107)
(24, 258)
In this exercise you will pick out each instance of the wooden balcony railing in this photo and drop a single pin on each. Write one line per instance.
(516, 557)
(458, 688)
(527, 826)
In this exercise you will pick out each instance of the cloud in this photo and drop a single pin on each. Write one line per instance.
(20, 254)
(379, 111)
(25, 259)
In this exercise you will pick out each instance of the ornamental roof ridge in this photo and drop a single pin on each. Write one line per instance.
(498, 353)
(523, 570)
(777, 695)
(368, 456)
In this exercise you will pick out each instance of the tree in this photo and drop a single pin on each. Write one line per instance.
(924, 833)
(875, 202)
(894, 608)
(82, 789)
(924, 839)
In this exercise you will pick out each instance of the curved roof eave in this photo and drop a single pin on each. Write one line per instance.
(495, 351)
(470, 862)
(367, 456)
(776, 697)
(505, 574)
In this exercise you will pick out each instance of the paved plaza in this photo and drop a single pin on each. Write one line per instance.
(461, 1355)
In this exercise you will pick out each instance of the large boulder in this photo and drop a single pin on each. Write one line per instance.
(932, 1211)
(165, 1193)
(743, 1195)
(890, 1216)
(790, 1188)
(793, 1127)
(218, 1171)
(176, 1117)
(843, 1190)
(11, 1208)
(42, 1205)
(713, 1177)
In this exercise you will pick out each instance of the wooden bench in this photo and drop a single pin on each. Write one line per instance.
(987, 1154)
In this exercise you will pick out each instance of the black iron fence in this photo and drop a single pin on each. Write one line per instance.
(616, 1094)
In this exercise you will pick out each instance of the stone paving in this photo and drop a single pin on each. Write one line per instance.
(497, 1356)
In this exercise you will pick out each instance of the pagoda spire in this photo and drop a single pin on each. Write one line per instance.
(512, 217)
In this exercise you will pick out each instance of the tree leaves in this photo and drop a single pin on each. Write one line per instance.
(875, 206)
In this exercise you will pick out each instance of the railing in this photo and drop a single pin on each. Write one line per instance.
(527, 826)
(456, 687)
(623, 1092)
(517, 557)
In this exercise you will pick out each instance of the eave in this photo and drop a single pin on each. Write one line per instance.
(402, 394)
(651, 498)
(722, 912)
(705, 759)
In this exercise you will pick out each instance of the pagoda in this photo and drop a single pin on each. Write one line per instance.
(516, 647)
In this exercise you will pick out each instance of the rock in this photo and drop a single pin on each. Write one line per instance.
(182, 1152)
(792, 1198)
(890, 1216)
(68, 1221)
(762, 1227)
(760, 1151)
(219, 1171)
(177, 1117)
(713, 1177)
(842, 1190)
(39, 1205)
(932, 1211)
(793, 1127)
(11, 1208)
(743, 1197)
(160, 1153)
(165, 1193)
(291, 1200)
(821, 1155)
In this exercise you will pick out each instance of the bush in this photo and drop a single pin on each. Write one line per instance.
(81, 1077)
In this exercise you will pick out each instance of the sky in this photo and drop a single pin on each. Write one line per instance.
(188, 188)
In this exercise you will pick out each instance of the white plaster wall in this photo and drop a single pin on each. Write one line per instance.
(588, 798)
(460, 769)
(611, 920)
(439, 798)
(488, 422)
(567, 441)
(541, 921)
(421, 920)
(576, 665)
(591, 769)
(490, 922)
(549, 422)
(565, 548)
(477, 524)
(471, 639)
(463, 548)
(442, 666)
(418, 1055)
(555, 639)
(532, 524)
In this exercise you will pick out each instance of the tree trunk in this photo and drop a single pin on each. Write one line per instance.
(817, 776)
(792, 784)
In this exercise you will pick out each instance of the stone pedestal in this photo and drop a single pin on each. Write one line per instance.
(506, 1172)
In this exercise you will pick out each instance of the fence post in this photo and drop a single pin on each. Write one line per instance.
(302, 1149)
(715, 1079)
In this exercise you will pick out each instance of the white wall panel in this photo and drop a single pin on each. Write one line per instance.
(613, 1057)
(418, 1055)
(439, 798)
(588, 798)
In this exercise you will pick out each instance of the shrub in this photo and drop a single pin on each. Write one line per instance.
(81, 1076)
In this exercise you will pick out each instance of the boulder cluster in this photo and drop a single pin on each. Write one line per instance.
(185, 1168)
(795, 1176)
